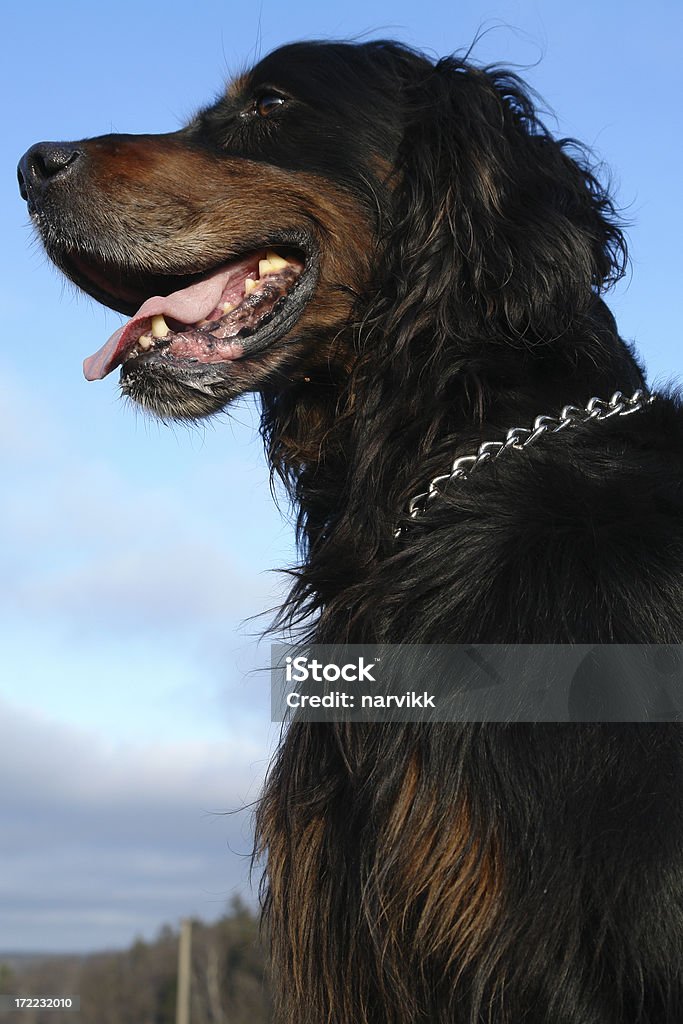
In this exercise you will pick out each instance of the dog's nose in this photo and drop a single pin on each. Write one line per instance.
(44, 163)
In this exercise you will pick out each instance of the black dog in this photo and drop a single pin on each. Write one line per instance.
(405, 264)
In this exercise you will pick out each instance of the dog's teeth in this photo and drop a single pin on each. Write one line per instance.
(145, 341)
(228, 307)
(159, 327)
(249, 286)
(277, 263)
(273, 264)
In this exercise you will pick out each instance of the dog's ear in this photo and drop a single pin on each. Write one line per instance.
(498, 228)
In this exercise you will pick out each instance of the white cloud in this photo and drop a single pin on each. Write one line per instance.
(84, 536)
(49, 760)
(190, 585)
(103, 841)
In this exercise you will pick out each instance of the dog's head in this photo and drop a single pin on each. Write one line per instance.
(331, 186)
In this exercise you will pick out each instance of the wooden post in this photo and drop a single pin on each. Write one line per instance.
(182, 1010)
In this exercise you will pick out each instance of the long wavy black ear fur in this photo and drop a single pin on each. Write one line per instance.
(499, 229)
(495, 241)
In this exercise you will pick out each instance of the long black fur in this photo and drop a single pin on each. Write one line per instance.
(498, 241)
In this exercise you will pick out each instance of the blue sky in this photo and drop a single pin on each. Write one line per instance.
(131, 705)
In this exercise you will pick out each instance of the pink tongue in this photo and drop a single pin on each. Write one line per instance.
(188, 305)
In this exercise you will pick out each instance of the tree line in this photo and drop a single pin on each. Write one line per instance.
(138, 985)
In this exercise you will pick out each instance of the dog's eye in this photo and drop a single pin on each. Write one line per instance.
(267, 102)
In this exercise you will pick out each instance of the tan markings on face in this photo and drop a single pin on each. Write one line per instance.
(179, 209)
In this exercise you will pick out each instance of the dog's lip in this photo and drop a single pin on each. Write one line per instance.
(188, 307)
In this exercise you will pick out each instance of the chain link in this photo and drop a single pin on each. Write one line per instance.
(519, 438)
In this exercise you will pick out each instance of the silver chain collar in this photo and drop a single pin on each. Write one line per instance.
(519, 438)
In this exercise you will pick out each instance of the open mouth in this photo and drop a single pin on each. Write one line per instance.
(234, 310)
